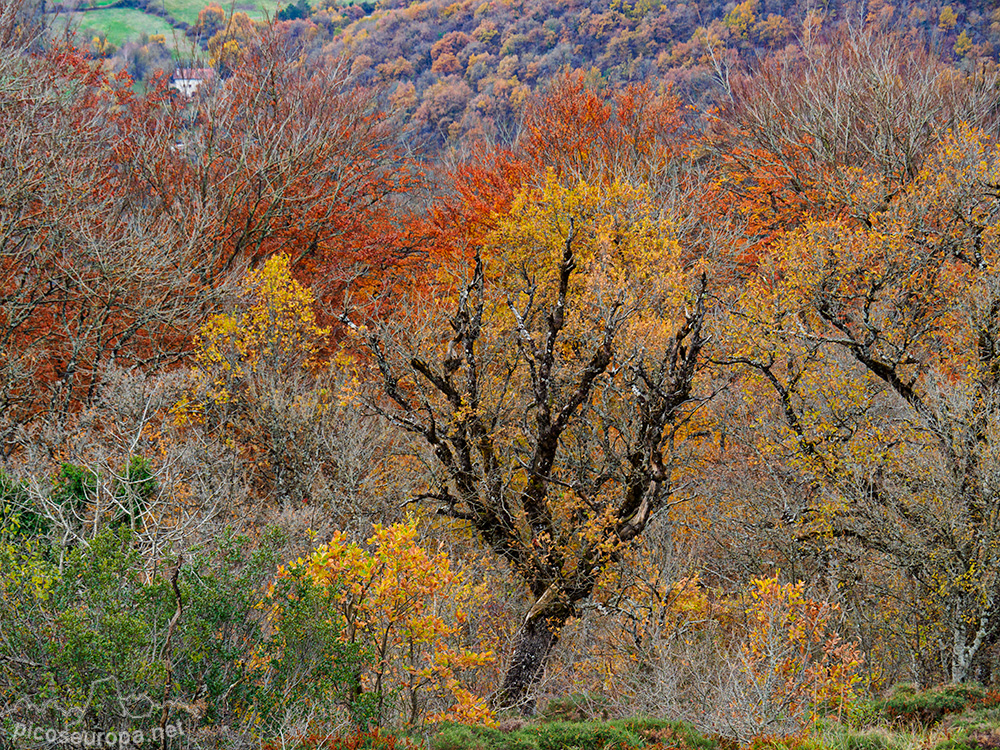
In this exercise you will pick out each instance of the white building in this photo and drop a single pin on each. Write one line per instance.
(187, 80)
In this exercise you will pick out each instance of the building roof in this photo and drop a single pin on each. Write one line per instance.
(194, 74)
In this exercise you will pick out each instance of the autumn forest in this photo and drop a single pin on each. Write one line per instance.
(504, 375)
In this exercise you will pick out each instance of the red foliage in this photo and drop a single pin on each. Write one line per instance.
(358, 740)
(574, 130)
(83, 277)
(124, 214)
(306, 163)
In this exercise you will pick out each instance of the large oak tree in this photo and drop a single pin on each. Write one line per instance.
(552, 385)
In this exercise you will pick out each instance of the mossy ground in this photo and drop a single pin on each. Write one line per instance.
(955, 717)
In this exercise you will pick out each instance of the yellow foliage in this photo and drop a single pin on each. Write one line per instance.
(226, 44)
(792, 662)
(625, 250)
(948, 18)
(274, 336)
(26, 572)
(742, 18)
(410, 608)
(963, 45)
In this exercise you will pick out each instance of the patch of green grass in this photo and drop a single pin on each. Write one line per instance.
(118, 24)
(184, 10)
(463, 737)
(259, 11)
(834, 736)
(127, 24)
(974, 729)
(928, 707)
(977, 720)
(623, 734)
(829, 734)
(949, 717)
(188, 10)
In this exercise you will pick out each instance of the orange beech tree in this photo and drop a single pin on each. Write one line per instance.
(810, 132)
(127, 218)
(285, 157)
(631, 133)
(88, 273)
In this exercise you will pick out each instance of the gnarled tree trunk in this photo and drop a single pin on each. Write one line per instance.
(536, 638)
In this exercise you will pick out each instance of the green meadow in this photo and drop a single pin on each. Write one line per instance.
(187, 10)
(184, 10)
(119, 25)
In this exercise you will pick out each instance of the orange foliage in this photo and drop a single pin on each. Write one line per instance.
(573, 130)
(302, 162)
(84, 274)
(791, 662)
(582, 133)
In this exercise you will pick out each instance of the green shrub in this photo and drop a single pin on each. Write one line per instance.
(586, 735)
(18, 514)
(674, 734)
(575, 707)
(106, 622)
(308, 659)
(928, 707)
(93, 634)
(788, 742)
(134, 491)
(639, 732)
(862, 713)
(462, 737)
(73, 493)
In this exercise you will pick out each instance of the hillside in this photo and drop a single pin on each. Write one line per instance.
(468, 66)
(456, 69)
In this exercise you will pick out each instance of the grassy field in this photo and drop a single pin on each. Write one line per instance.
(260, 11)
(119, 25)
(128, 24)
(187, 10)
